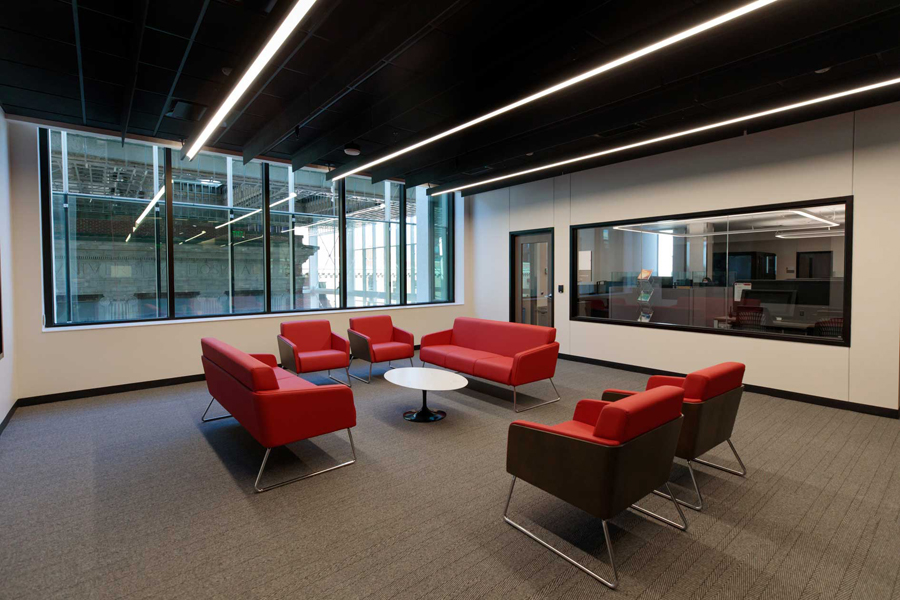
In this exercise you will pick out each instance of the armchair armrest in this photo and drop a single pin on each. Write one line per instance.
(404, 337)
(656, 381)
(286, 416)
(588, 411)
(360, 345)
(534, 364)
(288, 352)
(268, 359)
(613, 395)
(340, 343)
(438, 338)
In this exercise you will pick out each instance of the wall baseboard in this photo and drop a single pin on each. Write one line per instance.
(756, 389)
(105, 391)
(8, 416)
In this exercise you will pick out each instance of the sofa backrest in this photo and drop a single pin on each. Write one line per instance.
(253, 374)
(499, 337)
(308, 336)
(712, 381)
(379, 329)
(635, 415)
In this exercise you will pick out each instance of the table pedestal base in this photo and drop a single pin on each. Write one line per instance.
(424, 414)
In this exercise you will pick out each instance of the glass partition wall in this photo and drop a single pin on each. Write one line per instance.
(778, 272)
(245, 239)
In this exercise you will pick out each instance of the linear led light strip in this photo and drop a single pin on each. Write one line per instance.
(813, 234)
(570, 82)
(714, 233)
(147, 210)
(258, 210)
(802, 213)
(272, 46)
(193, 238)
(664, 138)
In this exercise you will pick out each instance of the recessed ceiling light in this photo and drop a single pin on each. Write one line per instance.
(765, 113)
(688, 33)
(272, 46)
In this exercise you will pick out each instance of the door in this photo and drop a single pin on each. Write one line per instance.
(814, 265)
(531, 277)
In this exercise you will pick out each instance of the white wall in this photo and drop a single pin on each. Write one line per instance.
(54, 361)
(7, 371)
(820, 159)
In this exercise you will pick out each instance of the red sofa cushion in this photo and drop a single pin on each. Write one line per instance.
(308, 336)
(713, 381)
(635, 415)
(255, 375)
(497, 369)
(322, 360)
(464, 359)
(498, 337)
(379, 329)
(436, 355)
(384, 351)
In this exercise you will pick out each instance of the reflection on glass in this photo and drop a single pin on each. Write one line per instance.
(203, 180)
(107, 266)
(779, 272)
(427, 246)
(373, 232)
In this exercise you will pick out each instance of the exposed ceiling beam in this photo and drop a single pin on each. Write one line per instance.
(187, 50)
(78, 55)
(137, 41)
(409, 21)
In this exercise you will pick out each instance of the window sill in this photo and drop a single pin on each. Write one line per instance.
(278, 315)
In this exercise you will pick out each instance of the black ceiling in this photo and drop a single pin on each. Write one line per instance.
(383, 74)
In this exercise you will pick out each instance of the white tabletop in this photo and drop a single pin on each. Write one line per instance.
(419, 378)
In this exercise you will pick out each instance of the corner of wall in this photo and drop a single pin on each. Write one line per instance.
(7, 370)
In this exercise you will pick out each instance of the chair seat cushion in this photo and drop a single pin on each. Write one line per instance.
(498, 368)
(385, 351)
(464, 359)
(282, 374)
(435, 355)
(322, 360)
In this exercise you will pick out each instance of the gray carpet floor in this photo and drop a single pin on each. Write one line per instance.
(131, 496)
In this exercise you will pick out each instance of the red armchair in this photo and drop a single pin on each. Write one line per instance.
(609, 456)
(512, 354)
(376, 340)
(712, 397)
(273, 405)
(310, 346)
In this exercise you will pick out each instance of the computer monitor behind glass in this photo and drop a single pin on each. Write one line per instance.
(778, 303)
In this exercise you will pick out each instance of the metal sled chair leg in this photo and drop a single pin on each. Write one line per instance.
(741, 473)
(515, 405)
(205, 420)
(369, 380)
(613, 584)
(348, 383)
(295, 479)
(682, 526)
(699, 506)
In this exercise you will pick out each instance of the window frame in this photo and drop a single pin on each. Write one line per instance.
(46, 200)
(848, 271)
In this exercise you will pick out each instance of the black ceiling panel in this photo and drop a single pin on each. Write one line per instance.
(385, 73)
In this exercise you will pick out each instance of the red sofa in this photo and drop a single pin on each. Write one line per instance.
(275, 406)
(508, 353)
(376, 340)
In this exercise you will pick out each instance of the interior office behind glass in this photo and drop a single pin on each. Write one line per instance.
(776, 272)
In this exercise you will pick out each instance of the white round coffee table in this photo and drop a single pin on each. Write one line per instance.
(434, 380)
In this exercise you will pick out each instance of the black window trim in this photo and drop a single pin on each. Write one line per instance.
(848, 271)
(46, 199)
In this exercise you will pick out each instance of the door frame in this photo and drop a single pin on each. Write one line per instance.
(512, 273)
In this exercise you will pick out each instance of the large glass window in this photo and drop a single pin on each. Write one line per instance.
(777, 272)
(109, 231)
(373, 242)
(106, 208)
(428, 226)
